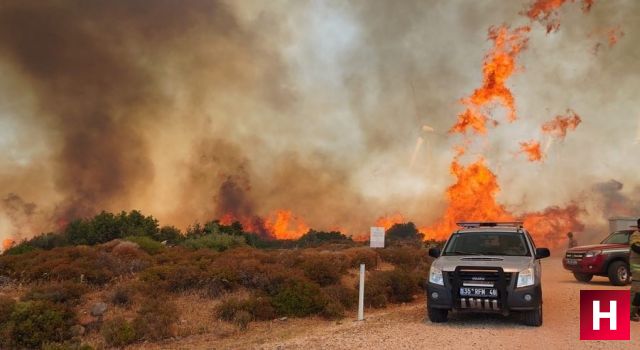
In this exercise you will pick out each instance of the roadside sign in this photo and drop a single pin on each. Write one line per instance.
(376, 239)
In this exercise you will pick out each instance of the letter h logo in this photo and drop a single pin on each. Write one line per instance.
(604, 315)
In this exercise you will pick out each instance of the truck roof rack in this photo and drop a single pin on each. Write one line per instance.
(469, 224)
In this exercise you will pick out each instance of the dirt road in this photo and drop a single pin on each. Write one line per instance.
(405, 327)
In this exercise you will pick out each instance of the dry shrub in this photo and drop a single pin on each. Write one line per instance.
(406, 257)
(68, 293)
(324, 268)
(259, 307)
(362, 255)
(396, 286)
(123, 295)
(156, 319)
(347, 297)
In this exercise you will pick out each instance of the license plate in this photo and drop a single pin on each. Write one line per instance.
(572, 262)
(478, 292)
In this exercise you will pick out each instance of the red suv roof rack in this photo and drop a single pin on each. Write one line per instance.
(468, 224)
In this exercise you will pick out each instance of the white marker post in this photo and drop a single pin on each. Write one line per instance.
(361, 295)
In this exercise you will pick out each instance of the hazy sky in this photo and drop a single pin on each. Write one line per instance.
(313, 106)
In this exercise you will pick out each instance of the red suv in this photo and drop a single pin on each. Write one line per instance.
(610, 258)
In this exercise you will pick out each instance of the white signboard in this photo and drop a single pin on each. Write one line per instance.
(377, 237)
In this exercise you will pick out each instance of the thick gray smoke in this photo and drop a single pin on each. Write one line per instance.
(190, 110)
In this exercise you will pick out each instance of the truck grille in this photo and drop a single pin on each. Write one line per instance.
(574, 255)
(472, 276)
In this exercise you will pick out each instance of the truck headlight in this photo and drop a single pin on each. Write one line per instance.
(435, 276)
(592, 253)
(526, 278)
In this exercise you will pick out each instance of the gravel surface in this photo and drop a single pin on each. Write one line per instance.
(405, 327)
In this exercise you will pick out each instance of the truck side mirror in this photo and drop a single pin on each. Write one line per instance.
(434, 252)
(542, 253)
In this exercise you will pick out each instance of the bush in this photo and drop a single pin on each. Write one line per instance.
(375, 290)
(6, 308)
(403, 232)
(333, 310)
(35, 323)
(156, 319)
(259, 308)
(118, 332)
(316, 238)
(122, 295)
(362, 255)
(402, 286)
(324, 268)
(405, 257)
(347, 297)
(68, 293)
(68, 345)
(242, 319)
(299, 298)
(217, 242)
(147, 244)
(169, 234)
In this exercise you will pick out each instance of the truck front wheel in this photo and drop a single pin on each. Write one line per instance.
(583, 277)
(533, 318)
(437, 315)
(619, 273)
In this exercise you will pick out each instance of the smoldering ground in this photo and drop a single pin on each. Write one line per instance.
(309, 106)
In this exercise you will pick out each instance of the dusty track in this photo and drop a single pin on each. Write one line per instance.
(405, 327)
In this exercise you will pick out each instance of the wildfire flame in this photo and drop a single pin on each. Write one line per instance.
(280, 224)
(7, 243)
(284, 225)
(532, 150)
(544, 11)
(498, 66)
(561, 124)
(390, 220)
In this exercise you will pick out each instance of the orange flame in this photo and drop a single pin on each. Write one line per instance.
(7, 243)
(544, 11)
(532, 150)
(390, 220)
(559, 126)
(284, 225)
(498, 66)
(471, 198)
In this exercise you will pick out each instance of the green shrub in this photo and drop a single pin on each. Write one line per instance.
(35, 323)
(299, 298)
(156, 319)
(217, 242)
(147, 244)
(68, 293)
(169, 234)
(316, 238)
(118, 332)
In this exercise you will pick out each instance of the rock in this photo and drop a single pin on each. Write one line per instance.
(77, 330)
(282, 319)
(98, 309)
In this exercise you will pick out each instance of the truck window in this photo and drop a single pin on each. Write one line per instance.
(618, 237)
(487, 243)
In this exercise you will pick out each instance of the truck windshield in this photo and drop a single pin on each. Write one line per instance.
(487, 243)
(618, 237)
